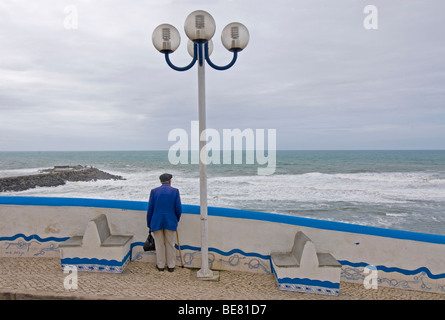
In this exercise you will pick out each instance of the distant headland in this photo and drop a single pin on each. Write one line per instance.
(54, 177)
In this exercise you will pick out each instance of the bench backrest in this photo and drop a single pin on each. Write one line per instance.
(103, 229)
(304, 250)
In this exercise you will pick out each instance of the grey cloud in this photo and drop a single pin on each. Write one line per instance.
(311, 71)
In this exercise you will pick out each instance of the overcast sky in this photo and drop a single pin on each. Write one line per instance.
(311, 71)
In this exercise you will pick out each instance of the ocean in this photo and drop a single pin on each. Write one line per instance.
(403, 190)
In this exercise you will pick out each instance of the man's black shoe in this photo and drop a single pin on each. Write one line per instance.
(171, 269)
(159, 269)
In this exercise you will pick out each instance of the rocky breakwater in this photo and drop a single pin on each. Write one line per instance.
(54, 177)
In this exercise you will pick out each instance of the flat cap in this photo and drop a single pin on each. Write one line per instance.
(165, 177)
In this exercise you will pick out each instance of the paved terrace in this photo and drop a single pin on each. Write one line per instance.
(42, 278)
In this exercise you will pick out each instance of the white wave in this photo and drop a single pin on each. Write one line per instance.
(373, 188)
(355, 187)
(403, 214)
(388, 200)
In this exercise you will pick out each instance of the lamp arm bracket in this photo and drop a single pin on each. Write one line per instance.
(167, 59)
(214, 66)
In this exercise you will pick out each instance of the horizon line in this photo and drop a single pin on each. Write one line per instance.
(223, 150)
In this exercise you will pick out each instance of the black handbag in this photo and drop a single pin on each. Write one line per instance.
(149, 244)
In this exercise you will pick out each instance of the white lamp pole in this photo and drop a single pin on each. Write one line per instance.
(200, 28)
(204, 272)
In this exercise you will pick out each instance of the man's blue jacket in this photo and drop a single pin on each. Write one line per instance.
(164, 208)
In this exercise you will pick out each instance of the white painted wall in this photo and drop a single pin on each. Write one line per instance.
(242, 243)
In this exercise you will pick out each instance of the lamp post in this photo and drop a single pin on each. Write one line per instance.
(200, 28)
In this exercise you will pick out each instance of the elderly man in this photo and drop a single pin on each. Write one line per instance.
(163, 214)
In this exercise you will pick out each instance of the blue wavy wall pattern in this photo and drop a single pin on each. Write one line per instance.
(350, 270)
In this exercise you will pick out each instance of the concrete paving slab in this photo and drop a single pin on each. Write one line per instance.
(43, 278)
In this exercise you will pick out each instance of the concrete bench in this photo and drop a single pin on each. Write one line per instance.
(97, 250)
(305, 270)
